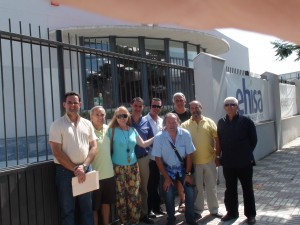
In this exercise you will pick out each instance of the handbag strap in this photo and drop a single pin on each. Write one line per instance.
(112, 140)
(176, 152)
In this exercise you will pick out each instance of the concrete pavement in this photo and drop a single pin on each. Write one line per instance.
(277, 191)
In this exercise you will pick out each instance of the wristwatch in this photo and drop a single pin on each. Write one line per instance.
(188, 173)
(85, 167)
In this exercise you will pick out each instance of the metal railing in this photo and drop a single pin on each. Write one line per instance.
(35, 73)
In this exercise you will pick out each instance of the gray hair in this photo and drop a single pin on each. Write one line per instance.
(97, 107)
(179, 94)
(231, 100)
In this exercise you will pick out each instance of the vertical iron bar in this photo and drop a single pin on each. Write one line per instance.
(34, 91)
(24, 95)
(70, 61)
(51, 85)
(115, 75)
(51, 75)
(185, 50)
(61, 71)
(132, 90)
(92, 94)
(3, 105)
(144, 77)
(84, 95)
(97, 76)
(168, 75)
(78, 73)
(14, 93)
(43, 95)
(151, 82)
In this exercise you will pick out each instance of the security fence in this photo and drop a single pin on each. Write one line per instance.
(35, 73)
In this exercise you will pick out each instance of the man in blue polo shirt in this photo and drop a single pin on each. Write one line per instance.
(165, 145)
(144, 129)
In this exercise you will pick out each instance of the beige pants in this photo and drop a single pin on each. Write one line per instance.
(205, 177)
(144, 173)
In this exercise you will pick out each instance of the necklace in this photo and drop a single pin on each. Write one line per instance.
(127, 143)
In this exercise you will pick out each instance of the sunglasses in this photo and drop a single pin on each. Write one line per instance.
(156, 106)
(230, 104)
(122, 116)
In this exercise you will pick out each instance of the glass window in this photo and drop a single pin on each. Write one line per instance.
(177, 53)
(128, 46)
(155, 49)
(98, 75)
(97, 43)
(192, 53)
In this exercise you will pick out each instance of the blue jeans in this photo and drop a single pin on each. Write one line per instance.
(67, 201)
(189, 202)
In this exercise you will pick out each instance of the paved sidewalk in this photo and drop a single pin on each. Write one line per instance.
(277, 191)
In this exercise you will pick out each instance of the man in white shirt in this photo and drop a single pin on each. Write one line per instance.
(73, 144)
(156, 123)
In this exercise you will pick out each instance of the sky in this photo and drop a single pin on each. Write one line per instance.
(261, 53)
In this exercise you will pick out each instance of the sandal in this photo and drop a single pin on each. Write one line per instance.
(181, 207)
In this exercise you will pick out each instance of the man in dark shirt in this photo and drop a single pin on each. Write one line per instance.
(145, 131)
(184, 114)
(237, 138)
(179, 102)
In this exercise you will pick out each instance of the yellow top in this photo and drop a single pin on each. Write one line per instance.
(203, 135)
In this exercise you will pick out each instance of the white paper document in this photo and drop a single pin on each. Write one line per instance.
(91, 183)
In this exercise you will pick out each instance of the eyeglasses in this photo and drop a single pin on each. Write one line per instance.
(156, 106)
(230, 104)
(122, 116)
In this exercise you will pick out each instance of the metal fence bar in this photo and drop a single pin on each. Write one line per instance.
(43, 97)
(3, 105)
(34, 93)
(70, 64)
(14, 94)
(24, 96)
(51, 88)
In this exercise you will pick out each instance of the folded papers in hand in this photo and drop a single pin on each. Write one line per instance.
(91, 183)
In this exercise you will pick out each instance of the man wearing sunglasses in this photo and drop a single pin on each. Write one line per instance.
(144, 129)
(154, 177)
(237, 140)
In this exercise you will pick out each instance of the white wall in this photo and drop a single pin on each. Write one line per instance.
(237, 56)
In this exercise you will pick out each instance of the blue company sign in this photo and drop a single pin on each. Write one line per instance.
(250, 100)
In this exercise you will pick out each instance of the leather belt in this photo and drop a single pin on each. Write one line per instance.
(142, 156)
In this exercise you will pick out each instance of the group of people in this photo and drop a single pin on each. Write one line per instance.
(134, 153)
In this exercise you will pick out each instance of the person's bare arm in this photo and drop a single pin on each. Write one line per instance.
(93, 149)
(80, 172)
(142, 143)
(188, 179)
